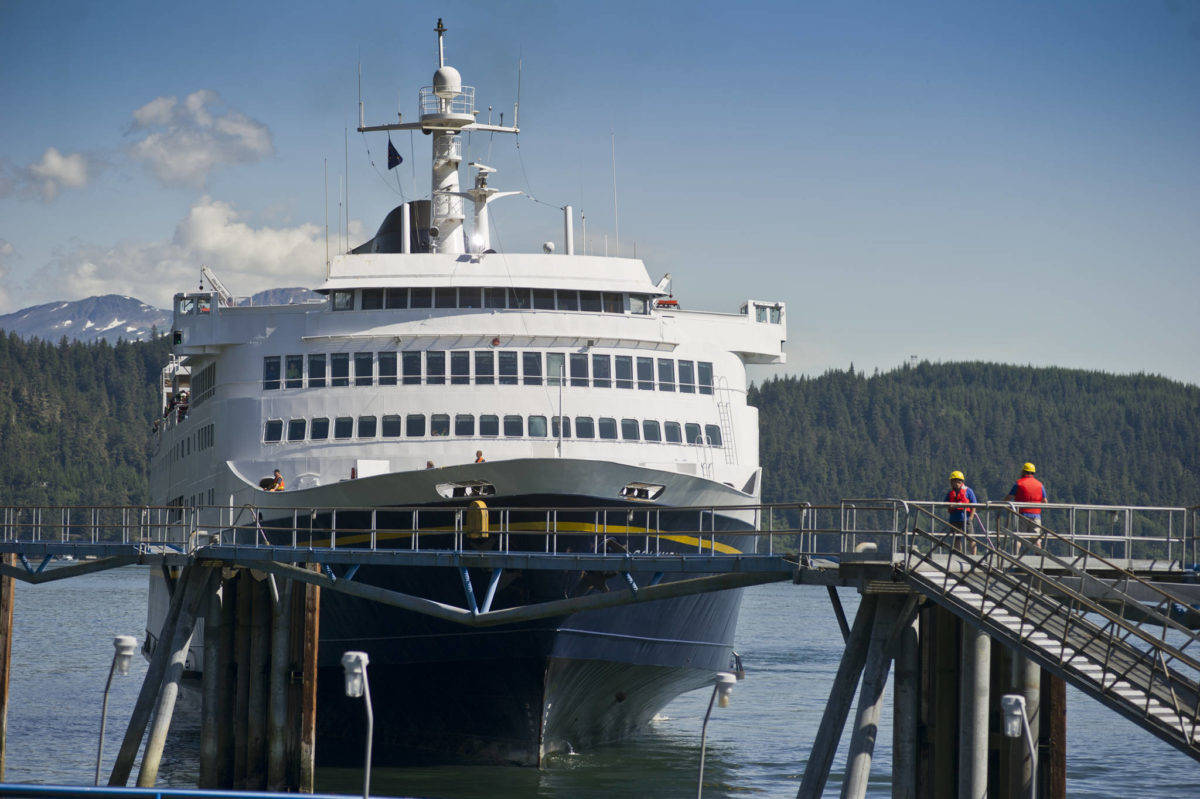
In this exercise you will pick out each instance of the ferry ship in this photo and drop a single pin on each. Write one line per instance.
(437, 371)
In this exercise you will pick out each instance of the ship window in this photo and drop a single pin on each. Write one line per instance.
(460, 367)
(624, 366)
(339, 369)
(650, 430)
(372, 299)
(387, 368)
(713, 434)
(614, 302)
(687, 377)
(760, 313)
(514, 426)
(638, 304)
(645, 368)
(589, 301)
(397, 298)
(543, 299)
(420, 298)
(435, 367)
(343, 300)
(508, 368)
(489, 425)
(673, 432)
(343, 427)
(532, 364)
(464, 425)
(445, 297)
(296, 429)
(410, 362)
(493, 298)
(468, 298)
(579, 369)
(555, 368)
(414, 425)
(608, 427)
(364, 368)
(485, 369)
(316, 371)
(439, 424)
(367, 426)
(294, 371)
(270, 372)
(629, 430)
(537, 426)
(776, 315)
(568, 300)
(601, 371)
(273, 431)
(692, 431)
(705, 373)
(391, 426)
(518, 298)
(585, 427)
(566, 426)
(320, 429)
(666, 374)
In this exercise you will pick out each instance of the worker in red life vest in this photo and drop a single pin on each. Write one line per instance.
(959, 515)
(1028, 489)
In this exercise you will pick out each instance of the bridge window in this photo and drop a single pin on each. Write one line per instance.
(296, 429)
(372, 299)
(555, 369)
(590, 301)
(387, 368)
(673, 432)
(533, 368)
(705, 373)
(489, 425)
(565, 424)
(579, 369)
(410, 363)
(485, 367)
(514, 426)
(518, 298)
(339, 369)
(687, 377)
(568, 300)
(343, 300)
(645, 367)
(543, 299)
(397, 298)
(435, 367)
(651, 431)
(537, 426)
(692, 431)
(414, 425)
(343, 427)
(629, 430)
(608, 428)
(614, 302)
(420, 298)
(366, 426)
(638, 304)
(445, 298)
(712, 434)
(320, 429)
(494, 298)
(273, 431)
(464, 425)
(460, 367)
(601, 371)
(468, 298)
(364, 368)
(624, 367)
(439, 425)
(666, 374)
(508, 368)
(391, 426)
(270, 373)
(316, 371)
(294, 371)
(585, 427)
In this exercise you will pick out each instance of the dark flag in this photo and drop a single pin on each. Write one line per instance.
(394, 159)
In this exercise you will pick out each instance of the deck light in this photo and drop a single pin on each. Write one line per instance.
(1016, 725)
(123, 648)
(722, 686)
(357, 684)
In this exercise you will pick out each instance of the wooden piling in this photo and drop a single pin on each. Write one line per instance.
(7, 600)
(227, 679)
(304, 632)
(870, 700)
(277, 714)
(1052, 754)
(841, 695)
(906, 710)
(256, 722)
(945, 705)
(241, 657)
(210, 686)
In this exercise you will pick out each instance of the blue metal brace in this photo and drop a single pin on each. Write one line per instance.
(45, 560)
(469, 590)
(329, 571)
(491, 590)
(656, 579)
(353, 570)
(629, 579)
(29, 568)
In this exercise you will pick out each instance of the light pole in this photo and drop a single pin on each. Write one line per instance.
(357, 684)
(1016, 725)
(722, 687)
(124, 646)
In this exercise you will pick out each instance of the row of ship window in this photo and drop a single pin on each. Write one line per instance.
(491, 298)
(418, 425)
(486, 367)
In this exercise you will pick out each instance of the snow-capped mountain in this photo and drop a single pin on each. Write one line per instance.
(111, 317)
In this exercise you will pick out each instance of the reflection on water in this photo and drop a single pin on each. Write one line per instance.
(63, 644)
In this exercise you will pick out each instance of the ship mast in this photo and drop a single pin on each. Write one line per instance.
(447, 109)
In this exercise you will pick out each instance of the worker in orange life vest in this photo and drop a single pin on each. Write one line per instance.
(1028, 489)
(960, 515)
(277, 482)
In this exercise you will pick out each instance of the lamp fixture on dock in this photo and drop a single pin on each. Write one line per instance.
(123, 648)
(357, 684)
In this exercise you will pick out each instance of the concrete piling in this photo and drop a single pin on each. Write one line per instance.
(241, 700)
(210, 688)
(278, 689)
(256, 720)
(974, 712)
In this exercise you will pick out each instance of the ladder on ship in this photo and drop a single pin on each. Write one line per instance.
(725, 414)
(1132, 656)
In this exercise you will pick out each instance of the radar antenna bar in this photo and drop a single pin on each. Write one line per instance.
(441, 29)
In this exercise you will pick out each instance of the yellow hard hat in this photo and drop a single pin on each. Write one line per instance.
(957, 475)
(1028, 467)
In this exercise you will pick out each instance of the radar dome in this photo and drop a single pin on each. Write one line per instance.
(447, 83)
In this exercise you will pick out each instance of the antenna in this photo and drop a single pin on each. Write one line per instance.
(616, 219)
(326, 217)
(341, 184)
(441, 48)
(362, 119)
(346, 133)
(517, 104)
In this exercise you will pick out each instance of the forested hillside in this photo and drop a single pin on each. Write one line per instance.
(1094, 437)
(75, 418)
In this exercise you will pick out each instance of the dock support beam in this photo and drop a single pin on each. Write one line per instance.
(870, 700)
(841, 695)
(906, 711)
(973, 727)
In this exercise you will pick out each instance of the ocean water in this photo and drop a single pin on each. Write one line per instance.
(756, 747)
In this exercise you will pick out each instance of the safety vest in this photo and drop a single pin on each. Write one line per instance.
(958, 496)
(278, 485)
(1030, 489)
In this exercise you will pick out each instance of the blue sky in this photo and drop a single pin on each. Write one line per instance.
(1014, 182)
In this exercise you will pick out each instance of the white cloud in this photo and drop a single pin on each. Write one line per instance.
(47, 177)
(247, 258)
(182, 142)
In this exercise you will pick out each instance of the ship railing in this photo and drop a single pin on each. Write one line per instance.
(461, 103)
